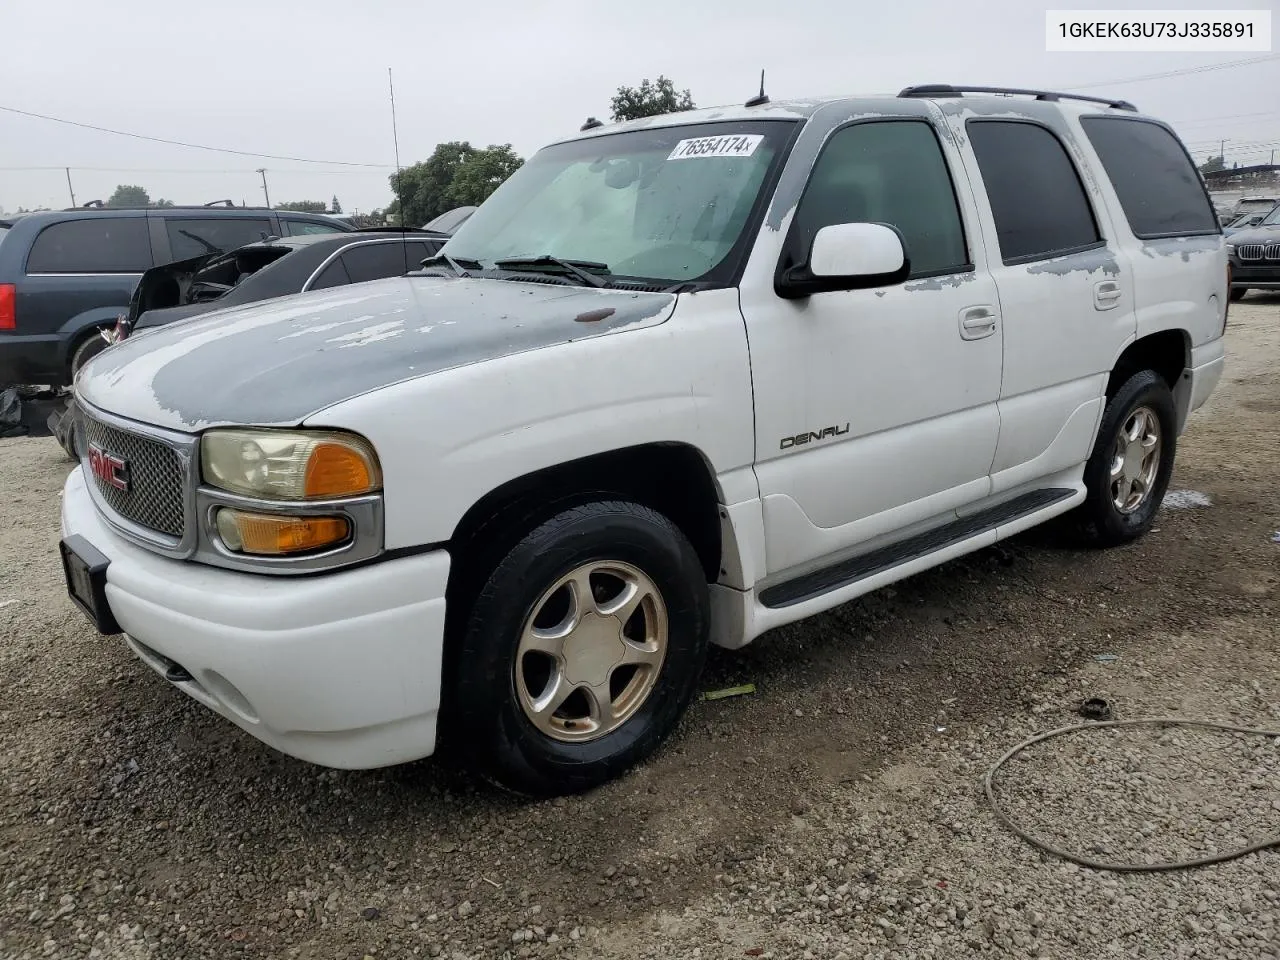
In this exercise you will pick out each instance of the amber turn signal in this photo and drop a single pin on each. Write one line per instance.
(267, 535)
(336, 470)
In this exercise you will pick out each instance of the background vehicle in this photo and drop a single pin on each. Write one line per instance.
(451, 220)
(678, 381)
(272, 268)
(1245, 220)
(1254, 253)
(65, 275)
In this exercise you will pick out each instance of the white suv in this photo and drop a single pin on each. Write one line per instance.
(680, 380)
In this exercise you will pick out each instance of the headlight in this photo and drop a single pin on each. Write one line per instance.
(289, 464)
(1231, 249)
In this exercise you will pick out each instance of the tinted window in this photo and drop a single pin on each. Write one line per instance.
(193, 238)
(301, 228)
(375, 261)
(1158, 185)
(109, 245)
(418, 251)
(334, 275)
(888, 172)
(1039, 206)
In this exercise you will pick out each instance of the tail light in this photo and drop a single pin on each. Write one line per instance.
(8, 306)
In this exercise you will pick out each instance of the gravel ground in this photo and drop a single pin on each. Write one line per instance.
(836, 813)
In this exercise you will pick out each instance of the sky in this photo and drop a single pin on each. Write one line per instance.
(308, 79)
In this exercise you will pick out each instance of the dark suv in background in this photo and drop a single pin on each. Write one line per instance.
(66, 274)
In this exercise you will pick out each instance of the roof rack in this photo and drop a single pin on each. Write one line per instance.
(99, 204)
(947, 90)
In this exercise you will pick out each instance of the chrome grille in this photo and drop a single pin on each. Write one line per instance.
(155, 496)
(1249, 251)
(1273, 251)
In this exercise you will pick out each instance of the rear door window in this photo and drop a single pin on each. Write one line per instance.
(302, 228)
(1037, 200)
(375, 261)
(194, 238)
(1158, 185)
(108, 245)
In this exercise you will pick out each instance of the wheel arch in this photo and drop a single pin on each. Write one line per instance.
(674, 478)
(1168, 353)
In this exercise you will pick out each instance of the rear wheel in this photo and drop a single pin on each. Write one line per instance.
(91, 344)
(1128, 473)
(581, 651)
(1237, 293)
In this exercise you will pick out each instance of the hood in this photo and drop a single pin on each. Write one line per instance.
(276, 362)
(1268, 234)
(163, 315)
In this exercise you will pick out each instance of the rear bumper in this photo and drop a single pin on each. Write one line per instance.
(31, 359)
(1207, 364)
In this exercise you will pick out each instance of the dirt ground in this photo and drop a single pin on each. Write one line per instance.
(835, 813)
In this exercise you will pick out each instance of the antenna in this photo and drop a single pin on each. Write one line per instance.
(761, 98)
(395, 137)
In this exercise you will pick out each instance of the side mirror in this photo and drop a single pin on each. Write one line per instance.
(847, 256)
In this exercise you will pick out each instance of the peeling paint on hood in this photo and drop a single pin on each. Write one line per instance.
(277, 362)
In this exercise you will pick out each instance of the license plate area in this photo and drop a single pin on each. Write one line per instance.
(85, 570)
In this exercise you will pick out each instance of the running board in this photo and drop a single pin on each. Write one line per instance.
(841, 574)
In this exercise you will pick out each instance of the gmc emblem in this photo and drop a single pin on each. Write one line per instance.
(109, 468)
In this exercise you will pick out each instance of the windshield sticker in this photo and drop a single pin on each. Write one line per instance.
(741, 145)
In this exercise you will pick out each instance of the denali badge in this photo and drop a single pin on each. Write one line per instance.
(109, 468)
(812, 437)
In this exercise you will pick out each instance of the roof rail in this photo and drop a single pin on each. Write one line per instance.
(948, 90)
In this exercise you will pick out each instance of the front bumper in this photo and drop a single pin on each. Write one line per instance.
(340, 669)
(1255, 275)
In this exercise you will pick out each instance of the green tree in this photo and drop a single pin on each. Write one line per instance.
(481, 173)
(336, 207)
(1213, 164)
(303, 206)
(650, 99)
(163, 203)
(423, 189)
(129, 195)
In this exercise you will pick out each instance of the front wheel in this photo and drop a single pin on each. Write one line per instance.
(1128, 473)
(582, 650)
(1237, 293)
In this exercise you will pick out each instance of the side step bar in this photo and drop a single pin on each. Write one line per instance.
(841, 574)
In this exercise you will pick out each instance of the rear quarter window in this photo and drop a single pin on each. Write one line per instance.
(109, 245)
(1158, 186)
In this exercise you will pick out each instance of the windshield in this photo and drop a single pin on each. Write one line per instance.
(664, 205)
(1273, 217)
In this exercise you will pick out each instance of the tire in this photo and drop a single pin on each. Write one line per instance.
(89, 347)
(1102, 521)
(496, 681)
(1237, 293)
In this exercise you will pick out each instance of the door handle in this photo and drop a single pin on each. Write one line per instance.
(1106, 294)
(977, 322)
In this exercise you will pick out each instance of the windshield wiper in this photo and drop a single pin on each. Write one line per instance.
(574, 268)
(459, 265)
